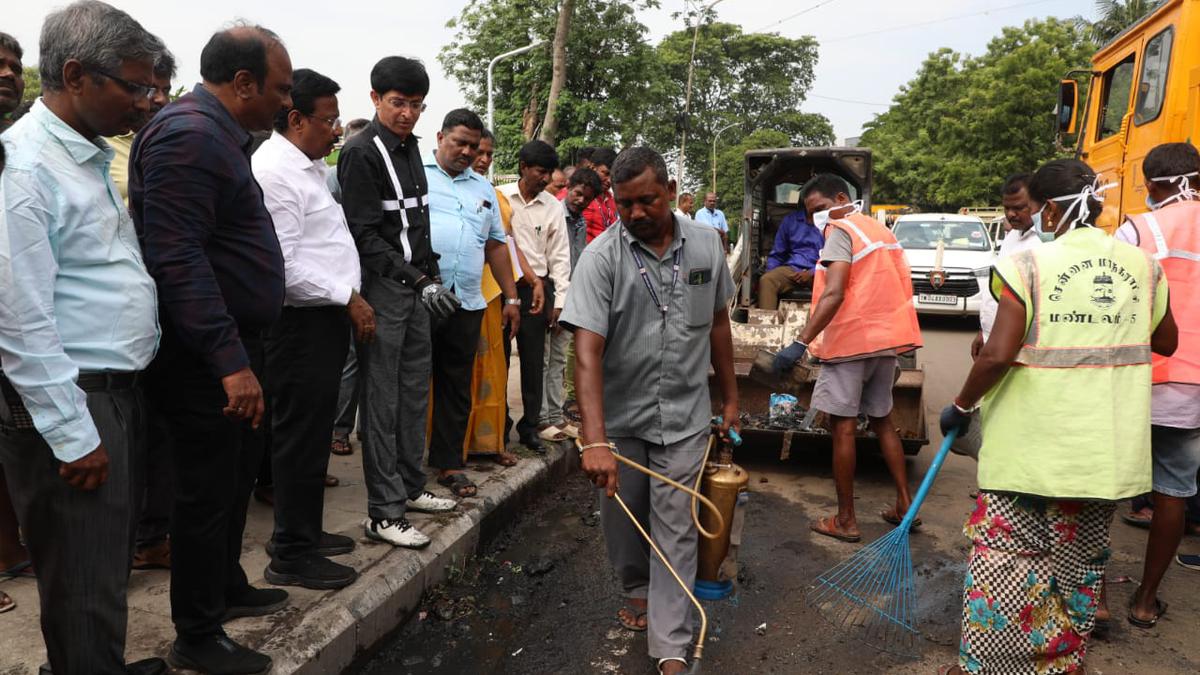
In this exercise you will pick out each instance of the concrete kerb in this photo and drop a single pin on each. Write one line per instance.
(344, 627)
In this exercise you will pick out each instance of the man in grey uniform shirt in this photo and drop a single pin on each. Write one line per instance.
(648, 307)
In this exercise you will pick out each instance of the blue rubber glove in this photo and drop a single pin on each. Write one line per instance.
(953, 418)
(787, 357)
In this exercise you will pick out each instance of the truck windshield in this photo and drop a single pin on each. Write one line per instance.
(954, 235)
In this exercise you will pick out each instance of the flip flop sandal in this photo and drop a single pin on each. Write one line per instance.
(552, 434)
(1102, 629)
(1160, 608)
(1137, 519)
(458, 484)
(671, 658)
(828, 527)
(19, 570)
(331, 481)
(637, 614)
(7, 604)
(341, 446)
(891, 518)
(505, 459)
(571, 430)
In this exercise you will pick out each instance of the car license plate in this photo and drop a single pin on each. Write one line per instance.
(938, 299)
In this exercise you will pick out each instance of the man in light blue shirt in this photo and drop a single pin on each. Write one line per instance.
(711, 215)
(465, 229)
(78, 323)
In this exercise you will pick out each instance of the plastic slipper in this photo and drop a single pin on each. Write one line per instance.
(19, 570)
(552, 434)
(459, 485)
(331, 480)
(1137, 519)
(341, 446)
(889, 516)
(505, 459)
(7, 604)
(828, 527)
(671, 658)
(1160, 608)
(571, 430)
(637, 615)
(1102, 629)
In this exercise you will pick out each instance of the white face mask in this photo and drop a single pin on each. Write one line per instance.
(1079, 203)
(1037, 220)
(822, 218)
(1182, 183)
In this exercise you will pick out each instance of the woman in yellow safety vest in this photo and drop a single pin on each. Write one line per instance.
(1064, 382)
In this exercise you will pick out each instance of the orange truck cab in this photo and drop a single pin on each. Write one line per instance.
(1143, 90)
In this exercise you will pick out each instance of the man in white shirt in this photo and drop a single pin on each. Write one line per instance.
(684, 205)
(306, 348)
(540, 228)
(1018, 213)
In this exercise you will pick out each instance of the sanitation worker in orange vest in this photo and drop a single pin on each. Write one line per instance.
(1170, 233)
(863, 318)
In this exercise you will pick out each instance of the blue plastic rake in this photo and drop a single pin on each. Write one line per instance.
(871, 594)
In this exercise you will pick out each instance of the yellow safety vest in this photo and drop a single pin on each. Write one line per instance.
(1071, 418)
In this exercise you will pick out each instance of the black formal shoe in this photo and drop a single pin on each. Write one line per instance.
(310, 571)
(217, 655)
(329, 545)
(152, 666)
(535, 444)
(255, 602)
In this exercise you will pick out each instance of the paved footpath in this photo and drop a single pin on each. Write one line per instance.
(320, 631)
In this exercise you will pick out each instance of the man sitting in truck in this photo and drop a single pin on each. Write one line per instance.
(792, 259)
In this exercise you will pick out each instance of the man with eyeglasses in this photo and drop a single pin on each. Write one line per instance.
(159, 95)
(77, 327)
(386, 199)
(211, 247)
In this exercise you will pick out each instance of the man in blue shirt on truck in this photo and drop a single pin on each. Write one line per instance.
(793, 256)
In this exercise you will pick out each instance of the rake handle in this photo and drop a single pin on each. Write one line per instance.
(927, 482)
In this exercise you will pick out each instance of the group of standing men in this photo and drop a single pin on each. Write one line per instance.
(207, 296)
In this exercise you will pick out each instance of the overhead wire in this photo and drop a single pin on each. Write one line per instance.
(785, 19)
(931, 22)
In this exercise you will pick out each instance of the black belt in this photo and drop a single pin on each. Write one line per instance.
(108, 381)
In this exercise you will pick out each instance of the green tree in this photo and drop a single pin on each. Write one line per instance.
(33, 84)
(611, 70)
(1114, 16)
(755, 81)
(963, 124)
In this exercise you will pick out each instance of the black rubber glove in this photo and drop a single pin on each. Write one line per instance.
(787, 357)
(438, 299)
(955, 419)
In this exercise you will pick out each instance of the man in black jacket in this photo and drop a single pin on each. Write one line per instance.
(386, 200)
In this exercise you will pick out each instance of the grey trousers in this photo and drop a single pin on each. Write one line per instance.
(81, 542)
(666, 514)
(554, 388)
(395, 370)
(347, 405)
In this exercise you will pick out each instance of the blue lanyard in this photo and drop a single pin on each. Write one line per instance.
(641, 265)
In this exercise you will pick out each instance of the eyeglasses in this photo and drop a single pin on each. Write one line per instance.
(333, 122)
(415, 106)
(138, 90)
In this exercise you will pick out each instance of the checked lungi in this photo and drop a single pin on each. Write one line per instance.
(1033, 582)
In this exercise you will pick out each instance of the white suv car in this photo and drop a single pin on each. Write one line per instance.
(951, 285)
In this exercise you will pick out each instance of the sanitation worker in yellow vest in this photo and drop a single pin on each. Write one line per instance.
(1064, 381)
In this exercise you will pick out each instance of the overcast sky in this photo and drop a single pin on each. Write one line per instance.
(868, 48)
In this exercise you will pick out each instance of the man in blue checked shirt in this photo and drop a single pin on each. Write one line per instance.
(465, 228)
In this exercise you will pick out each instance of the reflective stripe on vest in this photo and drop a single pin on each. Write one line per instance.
(1171, 235)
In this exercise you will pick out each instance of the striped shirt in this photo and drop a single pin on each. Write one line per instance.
(655, 364)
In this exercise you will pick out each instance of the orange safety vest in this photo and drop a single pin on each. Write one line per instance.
(877, 313)
(1171, 235)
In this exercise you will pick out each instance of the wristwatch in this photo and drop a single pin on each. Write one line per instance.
(512, 301)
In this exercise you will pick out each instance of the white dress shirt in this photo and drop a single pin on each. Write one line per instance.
(320, 261)
(540, 228)
(1013, 242)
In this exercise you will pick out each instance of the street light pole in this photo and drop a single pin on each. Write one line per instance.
(491, 110)
(715, 137)
(687, 98)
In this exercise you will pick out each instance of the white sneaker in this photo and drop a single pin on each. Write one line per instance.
(431, 503)
(395, 532)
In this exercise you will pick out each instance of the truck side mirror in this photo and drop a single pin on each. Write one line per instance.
(1066, 112)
